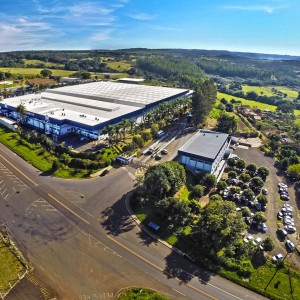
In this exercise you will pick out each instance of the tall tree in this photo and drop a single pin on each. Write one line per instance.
(219, 226)
(203, 100)
(227, 123)
(21, 110)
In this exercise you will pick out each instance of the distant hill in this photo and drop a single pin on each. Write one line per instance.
(213, 53)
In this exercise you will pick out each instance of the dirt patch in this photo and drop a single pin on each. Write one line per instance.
(253, 142)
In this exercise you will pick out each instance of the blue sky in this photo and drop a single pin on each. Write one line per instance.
(270, 26)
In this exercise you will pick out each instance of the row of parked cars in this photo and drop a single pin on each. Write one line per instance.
(286, 215)
(283, 191)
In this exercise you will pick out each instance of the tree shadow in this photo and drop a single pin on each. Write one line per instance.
(116, 218)
(182, 267)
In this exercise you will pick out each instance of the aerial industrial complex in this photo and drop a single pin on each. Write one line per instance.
(86, 109)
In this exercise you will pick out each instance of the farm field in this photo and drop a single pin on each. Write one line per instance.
(251, 103)
(120, 66)
(37, 62)
(35, 71)
(267, 90)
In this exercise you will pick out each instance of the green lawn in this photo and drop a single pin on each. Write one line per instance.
(267, 90)
(35, 71)
(119, 66)
(10, 267)
(37, 62)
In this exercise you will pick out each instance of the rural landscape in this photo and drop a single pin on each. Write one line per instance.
(134, 164)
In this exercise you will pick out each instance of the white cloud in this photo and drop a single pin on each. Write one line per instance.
(262, 8)
(165, 28)
(101, 35)
(142, 16)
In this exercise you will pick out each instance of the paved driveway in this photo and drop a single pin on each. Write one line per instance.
(253, 155)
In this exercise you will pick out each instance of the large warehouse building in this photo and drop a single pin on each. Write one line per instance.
(87, 108)
(204, 152)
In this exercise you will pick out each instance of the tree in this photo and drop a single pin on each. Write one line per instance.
(46, 73)
(203, 100)
(263, 172)
(262, 199)
(209, 181)
(224, 101)
(268, 244)
(246, 212)
(219, 226)
(215, 197)
(248, 194)
(175, 210)
(164, 179)
(231, 162)
(221, 185)
(259, 217)
(285, 163)
(294, 171)
(85, 75)
(256, 183)
(251, 168)
(232, 174)
(198, 190)
(286, 107)
(21, 110)
(227, 123)
(240, 164)
(245, 177)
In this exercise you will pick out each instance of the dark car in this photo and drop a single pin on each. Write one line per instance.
(105, 172)
(164, 151)
(158, 157)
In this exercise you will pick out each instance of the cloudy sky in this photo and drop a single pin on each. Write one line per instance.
(270, 26)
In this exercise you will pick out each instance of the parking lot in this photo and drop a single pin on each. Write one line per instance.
(275, 204)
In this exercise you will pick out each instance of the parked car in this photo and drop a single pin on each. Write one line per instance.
(290, 246)
(290, 228)
(284, 197)
(164, 151)
(287, 206)
(262, 227)
(282, 232)
(277, 257)
(158, 157)
(279, 215)
(287, 221)
(265, 191)
(281, 184)
(150, 151)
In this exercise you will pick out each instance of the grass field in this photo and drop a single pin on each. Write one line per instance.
(35, 71)
(252, 104)
(267, 90)
(10, 267)
(140, 293)
(119, 66)
(37, 62)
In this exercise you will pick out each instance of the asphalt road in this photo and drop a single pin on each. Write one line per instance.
(82, 242)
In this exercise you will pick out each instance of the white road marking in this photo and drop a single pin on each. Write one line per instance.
(179, 292)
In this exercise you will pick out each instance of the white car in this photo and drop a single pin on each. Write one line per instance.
(286, 205)
(290, 245)
(281, 184)
(287, 220)
(290, 228)
(277, 257)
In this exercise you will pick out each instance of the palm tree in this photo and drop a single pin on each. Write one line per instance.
(21, 110)
(131, 124)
